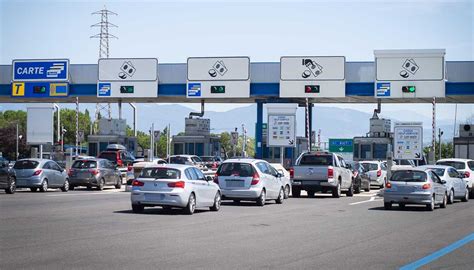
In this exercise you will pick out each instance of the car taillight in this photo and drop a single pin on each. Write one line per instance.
(129, 168)
(379, 173)
(216, 178)
(214, 165)
(292, 173)
(38, 172)
(179, 184)
(70, 172)
(119, 162)
(137, 183)
(467, 174)
(94, 171)
(255, 179)
(426, 186)
(330, 172)
(388, 185)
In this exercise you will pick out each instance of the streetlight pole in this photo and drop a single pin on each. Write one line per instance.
(440, 133)
(17, 139)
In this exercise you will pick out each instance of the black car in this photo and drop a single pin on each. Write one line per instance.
(7, 177)
(361, 178)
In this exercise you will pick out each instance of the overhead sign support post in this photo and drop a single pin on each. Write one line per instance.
(42, 78)
(218, 77)
(312, 77)
(128, 78)
(409, 73)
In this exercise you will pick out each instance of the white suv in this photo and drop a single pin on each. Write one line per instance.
(464, 166)
(377, 171)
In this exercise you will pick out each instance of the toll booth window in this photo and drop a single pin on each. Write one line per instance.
(380, 151)
(178, 149)
(365, 151)
(190, 148)
(356, 150)
(199, 149)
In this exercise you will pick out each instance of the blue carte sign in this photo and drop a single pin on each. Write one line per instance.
(40, 70)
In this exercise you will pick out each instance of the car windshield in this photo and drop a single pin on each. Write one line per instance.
(324, 160)
(160, 173)
(236, 169)
(471, 165)
(370, 166)
(25, 164)
(84, 164)
(456, 164)
(208, 159)
(109, 156)
(408, 176)
(178, 160)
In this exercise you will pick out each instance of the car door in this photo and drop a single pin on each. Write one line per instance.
(3, 174)
(195, 185)
(104, 171)
(276, 179)
(49, 174)
(271, 181)
(438, 187)
(207, 191)
(60, 177)
(346, 175)
(458, 182)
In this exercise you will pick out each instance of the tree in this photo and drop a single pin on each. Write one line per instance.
(68, 120)
(8, 142)
(447, 150)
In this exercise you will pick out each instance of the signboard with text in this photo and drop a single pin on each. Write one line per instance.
(408, 140)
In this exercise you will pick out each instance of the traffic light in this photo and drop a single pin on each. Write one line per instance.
(39, 89)
(220, 89)
(408, 89)
(311, 89)
(127, 89)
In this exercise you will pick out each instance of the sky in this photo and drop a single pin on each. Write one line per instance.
(263, 30)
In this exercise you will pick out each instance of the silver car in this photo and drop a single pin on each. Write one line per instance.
(174, 185)
(250, 180)
(95, 172)
(36, 173)
(377, 171)
(285, 178)
(416, 186)
(456, 185)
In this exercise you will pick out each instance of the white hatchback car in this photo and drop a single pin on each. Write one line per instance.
(377, 171)
(174, 185)
(455, 184)
(249, 180)
(465, 166)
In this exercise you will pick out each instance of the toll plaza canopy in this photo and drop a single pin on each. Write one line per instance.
(173, 82)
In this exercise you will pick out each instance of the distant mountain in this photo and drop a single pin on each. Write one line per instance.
(334, 122)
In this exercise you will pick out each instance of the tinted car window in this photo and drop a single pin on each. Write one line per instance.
(196, 159)
(457, 165)
(235, 168)
(178, 160)
(55, 166)
(200, 175)
(160, 173)
(84, 164)
(408, 176)
(470, 164)
(109, 156)
(370, 166)
(453, 173)
(191, 174)
(438, 171)
(208, 159)
(323, 160)
(25, 164)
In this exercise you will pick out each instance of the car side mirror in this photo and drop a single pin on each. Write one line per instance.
(443, 182)
(278, 175)
(209, 178)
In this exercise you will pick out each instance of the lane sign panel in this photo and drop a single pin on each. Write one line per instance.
(40, 70)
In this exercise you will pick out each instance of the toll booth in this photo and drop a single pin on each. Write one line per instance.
(111, 131)
(377, 142)
(464, 144)
(197, 139)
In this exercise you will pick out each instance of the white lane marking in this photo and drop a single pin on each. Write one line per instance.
(83, 194)
(370, 200)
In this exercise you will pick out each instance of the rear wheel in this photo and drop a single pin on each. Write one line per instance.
(310, 193)
(33, 189)
(296, 193)
(287, 191)
(367, 189)
(11, 185)
(136, 208)
(261, 199)
(466, 196)
(101, 184)
(118, 185)
(65, 187)
(336, 192)
(71, 187)
(44, 185)
(281, 196)
(236, 201)
(445, 201)
(350, 192)
(357, 188)
(189, 210)
(451, 197)
(431, 206)
(387, 206)
(217, 202)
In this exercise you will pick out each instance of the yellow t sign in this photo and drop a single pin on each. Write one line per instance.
(18, 89)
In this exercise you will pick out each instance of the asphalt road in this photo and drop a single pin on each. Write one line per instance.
(97, 230)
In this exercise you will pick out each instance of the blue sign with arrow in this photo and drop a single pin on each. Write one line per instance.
(40, 70)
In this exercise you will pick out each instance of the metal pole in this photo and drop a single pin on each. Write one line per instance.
(17, 139)
(433, 138)
(58, 109)
(440, 133)
(77, 125)
(307, 135)
(41, 151)
(134, 119)
(243, 140)
(120, 108)
(152, 140)
(168, 142)
(282, 155)
(455, 118)
(62, 138)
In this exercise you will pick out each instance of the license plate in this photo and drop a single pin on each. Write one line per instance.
(234, 183)
(154, 197)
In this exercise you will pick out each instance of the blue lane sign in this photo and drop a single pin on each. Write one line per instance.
(194, 89)
(383, 89)
(40, 89)
(40, 70)
(104, 89)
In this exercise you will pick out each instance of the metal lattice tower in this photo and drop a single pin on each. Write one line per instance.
(104, 37)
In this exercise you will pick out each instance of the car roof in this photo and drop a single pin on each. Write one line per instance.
(417, 169)
(243, 160)
(455, 159)
(171, 166)
(435, 167)
(371, 161)
(183, 156)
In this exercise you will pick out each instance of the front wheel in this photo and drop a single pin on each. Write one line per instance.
(350, 192)
(101, 184)
(287, 191)
(357, 189)
(136, 208)
(281, 196)
(431, 206)
(445, 201)
(466, 196)
(118, 185)
(11, 186)
(387, 206)
(217, 202)
(295, 193)
(65, 187)
(261, 199)
(451, 197)
(367, 189)
(189, 210)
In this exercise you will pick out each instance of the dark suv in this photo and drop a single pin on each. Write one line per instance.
(7, 177)
(122, 159)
